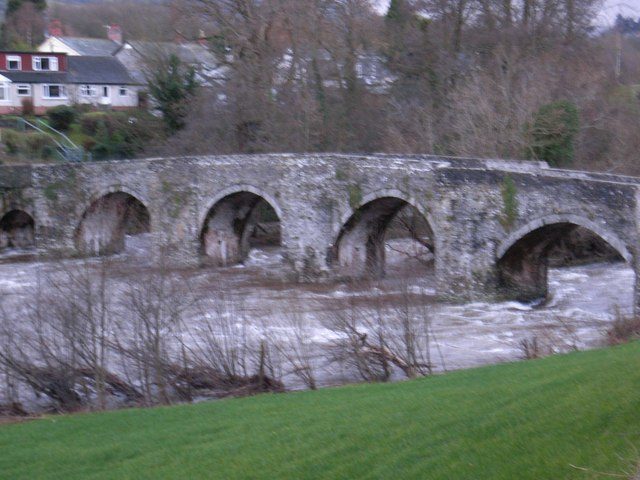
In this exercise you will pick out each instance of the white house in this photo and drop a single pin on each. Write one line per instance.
(51, 79)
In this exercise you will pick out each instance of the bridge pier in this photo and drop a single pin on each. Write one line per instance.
(480, 210)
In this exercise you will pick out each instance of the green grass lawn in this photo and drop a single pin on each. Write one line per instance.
(528, 420)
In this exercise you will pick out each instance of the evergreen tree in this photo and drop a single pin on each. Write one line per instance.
(554, 129)
(409, 53)
(14, 5)
(627, 25)
(172, 84)
(397, 11)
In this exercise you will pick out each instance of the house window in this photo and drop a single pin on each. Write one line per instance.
(4, 91)
(123, 91)
(14, 63)
(105, 92)
(45, 63)
(23, 90)
(87, 90)
(54, 91)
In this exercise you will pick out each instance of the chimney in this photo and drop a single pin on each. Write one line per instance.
(55, 28)
(114, 33)
(202, 38)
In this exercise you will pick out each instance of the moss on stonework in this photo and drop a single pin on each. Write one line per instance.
(341, 175)
(355, 196)
(67, 185)
(175, 199)
(509, 202)
(12, 196)
(51, 190)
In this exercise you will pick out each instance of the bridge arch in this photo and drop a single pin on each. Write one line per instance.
(522, 257)
(385, 192)
(231, 223)
(17, 228)
(116, 188)
(108, 217)
(359, 249)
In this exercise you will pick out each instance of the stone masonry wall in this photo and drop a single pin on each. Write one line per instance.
(476, 208)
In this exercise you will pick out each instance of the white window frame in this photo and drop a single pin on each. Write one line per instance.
(108, 90)
(122, 88)
(37, 63)
(23, 86)
(46, 91)
(14, 58)
(88, 91)
(4, 88)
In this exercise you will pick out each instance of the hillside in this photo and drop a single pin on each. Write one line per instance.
(547, 419)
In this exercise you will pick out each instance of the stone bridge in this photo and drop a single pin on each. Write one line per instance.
(492, 221)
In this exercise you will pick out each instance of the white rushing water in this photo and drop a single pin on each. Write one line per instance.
(583, 302)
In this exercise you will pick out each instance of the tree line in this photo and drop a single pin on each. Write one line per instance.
(522, 79)
(529, 79)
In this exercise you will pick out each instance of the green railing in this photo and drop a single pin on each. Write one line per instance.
(66, 149)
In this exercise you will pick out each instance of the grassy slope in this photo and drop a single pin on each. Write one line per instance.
(527, 420)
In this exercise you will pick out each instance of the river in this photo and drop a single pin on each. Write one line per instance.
(582, 303)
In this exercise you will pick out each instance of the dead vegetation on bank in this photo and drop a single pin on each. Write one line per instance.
(89, 342)
(98, 336)
(624, 329)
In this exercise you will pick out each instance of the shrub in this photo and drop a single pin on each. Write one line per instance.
(27, 107)
(118, 134)
(554, 127)
(90, 122)
(88, 144)
(61, 117)
(39, 145)
(82, 108)
(623, 329)
(35, 145)
(110, 142)
(13, 141)
(530, 348)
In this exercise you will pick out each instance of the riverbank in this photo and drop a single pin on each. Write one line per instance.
(566, 417)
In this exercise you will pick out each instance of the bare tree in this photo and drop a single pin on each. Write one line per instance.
(151, 21)
(150, 317)
(230, 348)
(390, 332)
(24, 26)
(222, 340)
(460, 77)
(61, 350)
(292, 337)
(7, 340)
